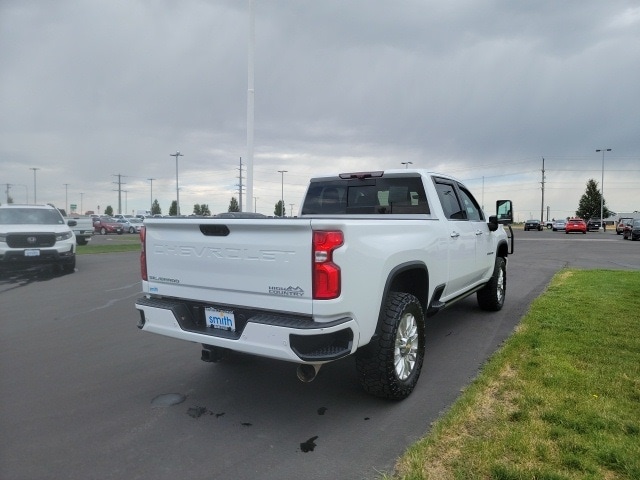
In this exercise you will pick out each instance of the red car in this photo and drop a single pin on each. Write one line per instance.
(106, 225)
(576, 225)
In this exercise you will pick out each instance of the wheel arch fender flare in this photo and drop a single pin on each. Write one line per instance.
(409, 277)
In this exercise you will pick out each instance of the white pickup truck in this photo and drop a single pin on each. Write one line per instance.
(370, 257)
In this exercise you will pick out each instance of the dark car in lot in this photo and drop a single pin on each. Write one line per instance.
(594, 224)
(632, 230)
(575, 225)
(533, 225)
(622, 223)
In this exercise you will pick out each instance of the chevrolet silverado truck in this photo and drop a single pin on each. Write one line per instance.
(371, 256)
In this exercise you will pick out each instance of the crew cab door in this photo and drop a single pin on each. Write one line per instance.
(462, 239)
(485, 254)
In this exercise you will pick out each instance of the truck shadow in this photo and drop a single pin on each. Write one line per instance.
(10, 279)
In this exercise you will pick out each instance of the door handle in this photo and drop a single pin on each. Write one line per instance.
(478, 232)
(455, 234)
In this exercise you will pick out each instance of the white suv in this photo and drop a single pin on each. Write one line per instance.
(36, 235)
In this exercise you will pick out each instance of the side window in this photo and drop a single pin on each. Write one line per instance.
(449, 201)
(471, 207)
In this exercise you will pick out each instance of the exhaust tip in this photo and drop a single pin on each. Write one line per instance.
(307, 372)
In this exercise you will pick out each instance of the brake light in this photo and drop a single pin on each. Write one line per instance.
(326, 274)
(143, 253)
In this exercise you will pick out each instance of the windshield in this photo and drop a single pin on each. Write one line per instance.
(30, 216)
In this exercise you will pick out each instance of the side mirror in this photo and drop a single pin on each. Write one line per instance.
(504, 209)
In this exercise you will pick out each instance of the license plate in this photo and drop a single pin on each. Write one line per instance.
(32, 252)
(222, 319)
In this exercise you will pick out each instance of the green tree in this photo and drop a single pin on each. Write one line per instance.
(108, 210)
(155, 208)
(280, 210)
(173, 209)
(202, 209)
(589, 206)
(233, 205)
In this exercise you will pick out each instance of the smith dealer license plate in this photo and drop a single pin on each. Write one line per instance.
(221, 319)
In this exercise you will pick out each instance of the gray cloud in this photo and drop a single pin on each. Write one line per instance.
(481, 89)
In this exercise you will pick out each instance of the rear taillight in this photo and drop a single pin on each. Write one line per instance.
(326, 274)
(143, 253)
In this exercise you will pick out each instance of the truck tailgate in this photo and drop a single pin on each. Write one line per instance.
(262, 263)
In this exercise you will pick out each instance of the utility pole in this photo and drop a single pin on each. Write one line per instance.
(177, 154)
(282, 193)
(151, 204)
(34, 183)
(66, 197)
(240, 189)
(542, 206)
(8, 188)
(250, 102)
(119, 191)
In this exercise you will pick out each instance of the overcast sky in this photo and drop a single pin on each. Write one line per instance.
(482, 90)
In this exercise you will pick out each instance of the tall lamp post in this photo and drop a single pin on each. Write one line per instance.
(282, 193)
(177, 154)
(151, 204)
(406, 164)
(66, 197)
(34, 184)
(602, 187)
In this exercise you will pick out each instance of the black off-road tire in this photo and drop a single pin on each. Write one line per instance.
(81, 241)
(389, 367)
(69, 267)
(491, 296)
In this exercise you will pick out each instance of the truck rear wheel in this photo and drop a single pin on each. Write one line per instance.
(389, 367)
(491, 297)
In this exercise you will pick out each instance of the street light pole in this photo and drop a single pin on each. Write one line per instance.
(282, 193)
(66, 197)
(151, 204)
(177, 154)
(406, 164)
(34, 183)
(602, 187)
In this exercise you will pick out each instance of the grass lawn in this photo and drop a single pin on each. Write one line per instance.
(121, 243)
(560, 400)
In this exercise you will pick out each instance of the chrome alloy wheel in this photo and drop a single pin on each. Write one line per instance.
(406, 346)
(500, 285)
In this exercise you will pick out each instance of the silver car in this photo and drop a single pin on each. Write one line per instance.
(558, 225)
(131, 225)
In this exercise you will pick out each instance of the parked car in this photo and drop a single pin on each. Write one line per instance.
(575, 225)
(131, 225)
(105, 225)
(632, 230)
(36, 235)
(558, 225)
(594, 224)
(622, 223)
(548, 224)
(533, 225)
